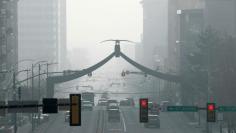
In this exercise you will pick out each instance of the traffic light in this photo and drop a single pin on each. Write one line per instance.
(143, 112)
(75, 110)
(211, 112)
(123, 74)
(90, 74)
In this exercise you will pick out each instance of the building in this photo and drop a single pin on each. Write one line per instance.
(154, 32)
(42, 30)
(175, 8)
(62, 36)
(8, 42)
(221, 15)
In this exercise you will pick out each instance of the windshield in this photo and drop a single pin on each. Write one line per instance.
(117, 66)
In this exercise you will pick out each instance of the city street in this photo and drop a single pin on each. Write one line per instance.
(96, 122)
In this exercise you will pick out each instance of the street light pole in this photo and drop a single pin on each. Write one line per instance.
(14, 98)
(39, 82)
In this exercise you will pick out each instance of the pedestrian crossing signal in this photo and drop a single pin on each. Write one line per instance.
(75, 110)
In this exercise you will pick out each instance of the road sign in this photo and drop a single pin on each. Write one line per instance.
(50, 105)
(75, 110)
(182, 108)
(227, 108)
(64, 104)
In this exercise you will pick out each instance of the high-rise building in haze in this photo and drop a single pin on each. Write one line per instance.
(154, 32)
(8, 42)
(42, 30)
(175, 8)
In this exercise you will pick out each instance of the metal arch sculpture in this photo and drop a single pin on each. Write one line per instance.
(117, 53)
(168, 77)
(51, 81)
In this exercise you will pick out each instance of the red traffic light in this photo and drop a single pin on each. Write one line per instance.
(211, 112)
(144, 103)
(211, 107)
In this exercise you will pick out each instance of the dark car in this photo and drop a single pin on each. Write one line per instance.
(112, 102)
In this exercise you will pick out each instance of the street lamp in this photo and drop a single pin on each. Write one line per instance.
(47, 64)
(32, 80)
(14, 96)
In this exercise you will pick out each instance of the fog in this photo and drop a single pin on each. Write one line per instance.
(90, 22)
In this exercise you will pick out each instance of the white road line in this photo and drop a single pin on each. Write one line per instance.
(123, 119)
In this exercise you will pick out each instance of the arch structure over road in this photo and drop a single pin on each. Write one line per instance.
(52, 80)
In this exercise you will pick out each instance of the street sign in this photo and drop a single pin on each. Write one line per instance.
(2, 111)
(227, 108)
(64, 104)
(182, 108)
(50, 105)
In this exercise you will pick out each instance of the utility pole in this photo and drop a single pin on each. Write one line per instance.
(32, 87)
(39, 83)
(39, 91)
(14, 98)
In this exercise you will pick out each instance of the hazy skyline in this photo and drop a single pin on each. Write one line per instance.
(91, 21)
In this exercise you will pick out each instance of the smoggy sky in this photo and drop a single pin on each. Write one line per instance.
(91, 21)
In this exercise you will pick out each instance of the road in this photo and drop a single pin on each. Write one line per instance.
(96, 122)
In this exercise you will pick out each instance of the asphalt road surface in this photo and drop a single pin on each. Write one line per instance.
(96, 122)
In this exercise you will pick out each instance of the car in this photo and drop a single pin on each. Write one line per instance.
(127, 102)
(164, 105)
(67, 116)
(7, 129)
(112, 104)
(153, 121)
(87, 105)
(105, 95)
(43, 118)
(154, 108)
(114, 115)
(102, 102)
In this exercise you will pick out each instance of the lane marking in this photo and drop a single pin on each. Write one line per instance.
(123, 119)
